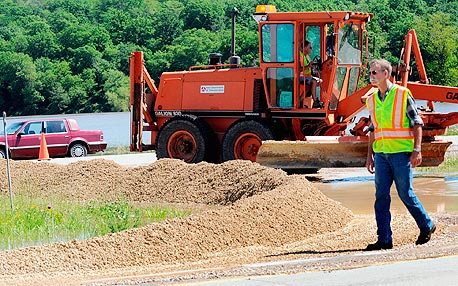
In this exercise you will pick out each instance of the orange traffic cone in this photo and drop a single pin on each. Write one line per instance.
(44, 155)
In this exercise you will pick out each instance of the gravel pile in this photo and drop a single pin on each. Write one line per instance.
(247, 214)
(163, 181)
(259, 207)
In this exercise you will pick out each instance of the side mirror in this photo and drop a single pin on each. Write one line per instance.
(20, 134)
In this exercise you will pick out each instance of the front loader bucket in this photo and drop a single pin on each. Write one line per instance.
(332, 152)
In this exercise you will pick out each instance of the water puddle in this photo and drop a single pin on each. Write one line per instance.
(354, 188)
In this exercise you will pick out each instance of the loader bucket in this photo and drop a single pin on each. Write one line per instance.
(332, 152)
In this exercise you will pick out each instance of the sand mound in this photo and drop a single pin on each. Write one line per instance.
(264, 207)
(163, 181)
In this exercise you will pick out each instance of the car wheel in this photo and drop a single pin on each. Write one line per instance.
(78, 150)
(2, 153)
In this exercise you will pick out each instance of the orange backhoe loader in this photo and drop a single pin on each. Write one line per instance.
(221, 112)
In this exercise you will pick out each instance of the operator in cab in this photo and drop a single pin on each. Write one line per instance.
(306, 75)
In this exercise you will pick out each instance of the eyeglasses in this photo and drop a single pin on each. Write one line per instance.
(374, 72)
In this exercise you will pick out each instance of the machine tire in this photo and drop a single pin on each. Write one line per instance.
(2, 153)
(77, 150)
(187, 138)
(243, 140)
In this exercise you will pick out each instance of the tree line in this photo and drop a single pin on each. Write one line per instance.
(71, 56)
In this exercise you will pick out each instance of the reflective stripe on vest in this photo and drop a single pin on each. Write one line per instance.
(392, 134)
(398, 117)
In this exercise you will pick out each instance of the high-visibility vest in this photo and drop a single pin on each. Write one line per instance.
(307, 68)
(392, 131)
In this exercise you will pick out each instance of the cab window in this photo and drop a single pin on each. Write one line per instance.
(278, 47)
(278, 43)
(348, 44)
(312, 34)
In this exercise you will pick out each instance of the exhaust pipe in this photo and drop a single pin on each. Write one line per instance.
(234, 60)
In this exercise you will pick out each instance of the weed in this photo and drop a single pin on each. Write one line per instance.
(450, 165)
(117, 150)
(452, 130)
(36, 221)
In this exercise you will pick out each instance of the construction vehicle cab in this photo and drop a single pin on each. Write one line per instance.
(220, 112)
(338, 44)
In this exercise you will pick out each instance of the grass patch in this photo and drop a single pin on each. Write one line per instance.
(118, 150)
(450, 165)
(37, 221)
(452, 130)
(115, 150)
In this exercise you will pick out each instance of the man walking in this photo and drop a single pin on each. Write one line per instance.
(394, 149)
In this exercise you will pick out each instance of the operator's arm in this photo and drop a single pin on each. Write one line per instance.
(415, 158)
(417, 124)
(370, 154)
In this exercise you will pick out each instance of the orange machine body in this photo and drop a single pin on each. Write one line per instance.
(220, 112)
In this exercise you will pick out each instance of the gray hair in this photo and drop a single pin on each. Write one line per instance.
(384, 65)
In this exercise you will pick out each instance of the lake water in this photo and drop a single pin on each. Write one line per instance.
(116, 125)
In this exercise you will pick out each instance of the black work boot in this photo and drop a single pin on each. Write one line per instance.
(424, 237)
(379, 246)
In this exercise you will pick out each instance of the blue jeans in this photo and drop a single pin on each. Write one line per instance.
(397, 167)
(308, 80)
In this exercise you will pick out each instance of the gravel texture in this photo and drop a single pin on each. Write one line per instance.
(248, 214)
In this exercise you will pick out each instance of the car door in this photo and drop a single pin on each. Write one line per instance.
(57, 137)
(27, 139)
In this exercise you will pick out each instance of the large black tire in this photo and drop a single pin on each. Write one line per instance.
(187, 138)
(243, 140)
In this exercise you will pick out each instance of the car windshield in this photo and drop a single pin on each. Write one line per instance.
(11, 129)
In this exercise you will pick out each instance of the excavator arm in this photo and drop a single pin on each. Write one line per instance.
(435, 123)
(141, 103)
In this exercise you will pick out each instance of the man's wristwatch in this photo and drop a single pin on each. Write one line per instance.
(417, 149)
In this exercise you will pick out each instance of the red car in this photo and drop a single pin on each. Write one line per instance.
(63, 138)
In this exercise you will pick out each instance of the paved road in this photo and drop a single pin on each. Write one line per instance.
(439, 271)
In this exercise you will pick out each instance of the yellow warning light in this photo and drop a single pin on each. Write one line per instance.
(265, 8)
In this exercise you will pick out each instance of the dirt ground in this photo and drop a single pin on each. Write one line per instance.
(244, 214)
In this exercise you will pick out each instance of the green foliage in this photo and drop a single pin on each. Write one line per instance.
(116, 88)
(440, 57)
(36, 221)
(70, 56)
(453, 130)
(203, 14)
(20, 91)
